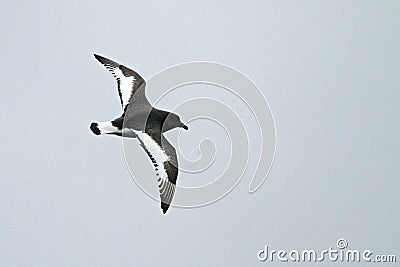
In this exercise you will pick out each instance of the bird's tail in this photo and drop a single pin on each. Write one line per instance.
(106, 127)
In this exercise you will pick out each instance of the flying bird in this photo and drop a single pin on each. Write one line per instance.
(141, 120)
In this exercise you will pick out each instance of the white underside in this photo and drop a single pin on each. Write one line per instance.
(126, 85)
(156, 151)
(165, 187)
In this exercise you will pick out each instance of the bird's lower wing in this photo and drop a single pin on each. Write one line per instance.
(164, 159)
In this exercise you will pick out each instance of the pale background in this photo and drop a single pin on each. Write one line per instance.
(330, 71)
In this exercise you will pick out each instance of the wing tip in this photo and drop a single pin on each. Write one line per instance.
(164, 207)
(98, 57)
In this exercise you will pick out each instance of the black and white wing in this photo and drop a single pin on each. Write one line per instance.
(128, 81)
(163, 156)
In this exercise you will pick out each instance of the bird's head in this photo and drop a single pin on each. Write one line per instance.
(173, 121)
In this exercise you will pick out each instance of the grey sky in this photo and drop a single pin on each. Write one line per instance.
(329, 70)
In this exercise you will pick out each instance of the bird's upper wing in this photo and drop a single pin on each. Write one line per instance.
(128, 81)
(163, 156)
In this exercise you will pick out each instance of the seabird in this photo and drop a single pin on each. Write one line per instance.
(141, 120)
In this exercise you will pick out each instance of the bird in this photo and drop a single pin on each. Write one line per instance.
(143, 121)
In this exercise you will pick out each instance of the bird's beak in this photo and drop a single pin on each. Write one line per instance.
(185, 127)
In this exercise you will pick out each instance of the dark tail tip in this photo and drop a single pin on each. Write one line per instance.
(94, 128)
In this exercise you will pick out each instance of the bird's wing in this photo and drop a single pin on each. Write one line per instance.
(128, 81)
(163, 156)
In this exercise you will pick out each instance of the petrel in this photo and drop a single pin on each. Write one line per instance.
(141, 120)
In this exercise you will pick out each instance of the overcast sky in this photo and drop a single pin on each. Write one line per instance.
(329, 70)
